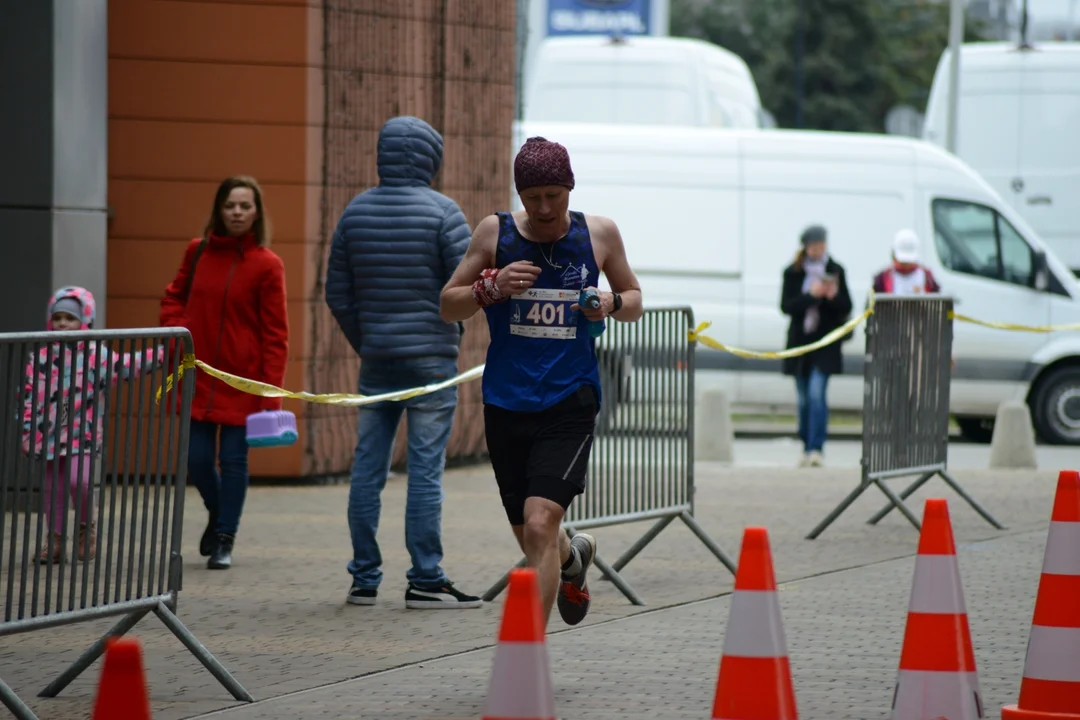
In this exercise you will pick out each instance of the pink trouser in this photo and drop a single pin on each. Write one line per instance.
(75, 471)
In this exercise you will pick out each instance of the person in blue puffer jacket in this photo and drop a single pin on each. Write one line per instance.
(395, 247)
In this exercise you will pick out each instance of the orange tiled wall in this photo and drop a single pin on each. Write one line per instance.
(199, 91)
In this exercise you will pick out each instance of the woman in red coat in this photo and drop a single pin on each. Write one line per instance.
(230, 294)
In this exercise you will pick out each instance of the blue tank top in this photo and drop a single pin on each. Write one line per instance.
(541, 350)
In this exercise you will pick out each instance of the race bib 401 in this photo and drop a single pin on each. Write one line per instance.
(544, 313)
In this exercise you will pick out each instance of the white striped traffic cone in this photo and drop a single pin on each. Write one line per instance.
(1050, 689)
(521, 687)
(937, 676)
(755, 675)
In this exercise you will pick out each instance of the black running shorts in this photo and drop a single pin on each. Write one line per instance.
(541, 454)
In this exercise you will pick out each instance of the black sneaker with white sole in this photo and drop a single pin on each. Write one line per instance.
(446, 596)
(361, 596)
(574, 598)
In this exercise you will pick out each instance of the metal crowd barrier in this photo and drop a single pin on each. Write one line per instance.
(133, 497)
(906, 403)
(642, 462)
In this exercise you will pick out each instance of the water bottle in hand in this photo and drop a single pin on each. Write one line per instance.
(591, 299)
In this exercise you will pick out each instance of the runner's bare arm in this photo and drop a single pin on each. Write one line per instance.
(476, 277)
(456, 303)
(620, 276)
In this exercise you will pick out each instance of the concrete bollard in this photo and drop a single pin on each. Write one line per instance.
(714, 432)
(1013, 442)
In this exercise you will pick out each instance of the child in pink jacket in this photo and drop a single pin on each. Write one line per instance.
(65, 435)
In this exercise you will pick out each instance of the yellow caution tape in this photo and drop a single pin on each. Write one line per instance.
(253, 387)
(1014, 327)
(696, 335)
(836, 335)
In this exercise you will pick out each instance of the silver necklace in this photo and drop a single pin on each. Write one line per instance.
(548, 260)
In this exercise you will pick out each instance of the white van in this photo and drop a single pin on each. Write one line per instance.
(640, 80)
(1018, 125)
(711, 218)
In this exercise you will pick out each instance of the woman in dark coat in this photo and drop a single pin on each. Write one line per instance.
(815, 295)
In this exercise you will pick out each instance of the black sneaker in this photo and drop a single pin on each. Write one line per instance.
(573, 598)
(446, 596)
(361, 596)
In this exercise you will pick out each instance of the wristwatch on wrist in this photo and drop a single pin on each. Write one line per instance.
(616, 300)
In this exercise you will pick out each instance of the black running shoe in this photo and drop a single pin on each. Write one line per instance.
(574, 592)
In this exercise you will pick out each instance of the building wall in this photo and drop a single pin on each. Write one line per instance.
(52, 166)
(294, 92)
(199, 91)
(452, 63)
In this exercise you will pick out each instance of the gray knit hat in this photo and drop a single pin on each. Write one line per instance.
(812, 234)
(69, 305)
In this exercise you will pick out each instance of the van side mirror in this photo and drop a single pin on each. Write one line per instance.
(1040, 272)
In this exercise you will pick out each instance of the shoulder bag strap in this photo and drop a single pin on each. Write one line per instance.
(191, 270)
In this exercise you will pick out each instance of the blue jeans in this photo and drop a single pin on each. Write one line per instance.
(430, 419)
(224, 494)
(813, 409)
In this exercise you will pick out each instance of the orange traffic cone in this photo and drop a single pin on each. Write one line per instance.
(937, 676)
(755, 675)
(122, 689)
(1051, 684)
(521, 687)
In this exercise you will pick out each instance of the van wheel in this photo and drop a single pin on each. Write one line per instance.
(1055, 407)
(976, 429)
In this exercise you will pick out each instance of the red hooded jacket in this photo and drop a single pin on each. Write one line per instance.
(238, 320)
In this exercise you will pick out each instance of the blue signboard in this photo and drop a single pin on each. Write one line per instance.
(598, 17)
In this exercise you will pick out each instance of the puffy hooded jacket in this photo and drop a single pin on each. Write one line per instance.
(238, 320)
(64, 375)
(395, 247)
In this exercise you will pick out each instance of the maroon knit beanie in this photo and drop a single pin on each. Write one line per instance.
(542, 162)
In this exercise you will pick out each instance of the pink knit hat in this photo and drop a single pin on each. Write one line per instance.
(542, 162)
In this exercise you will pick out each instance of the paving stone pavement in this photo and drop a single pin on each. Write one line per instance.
(278, 619)
(844, 632)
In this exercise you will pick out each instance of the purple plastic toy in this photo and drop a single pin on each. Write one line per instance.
(271, 428)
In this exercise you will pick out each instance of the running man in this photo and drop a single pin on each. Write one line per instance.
(541, 383)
